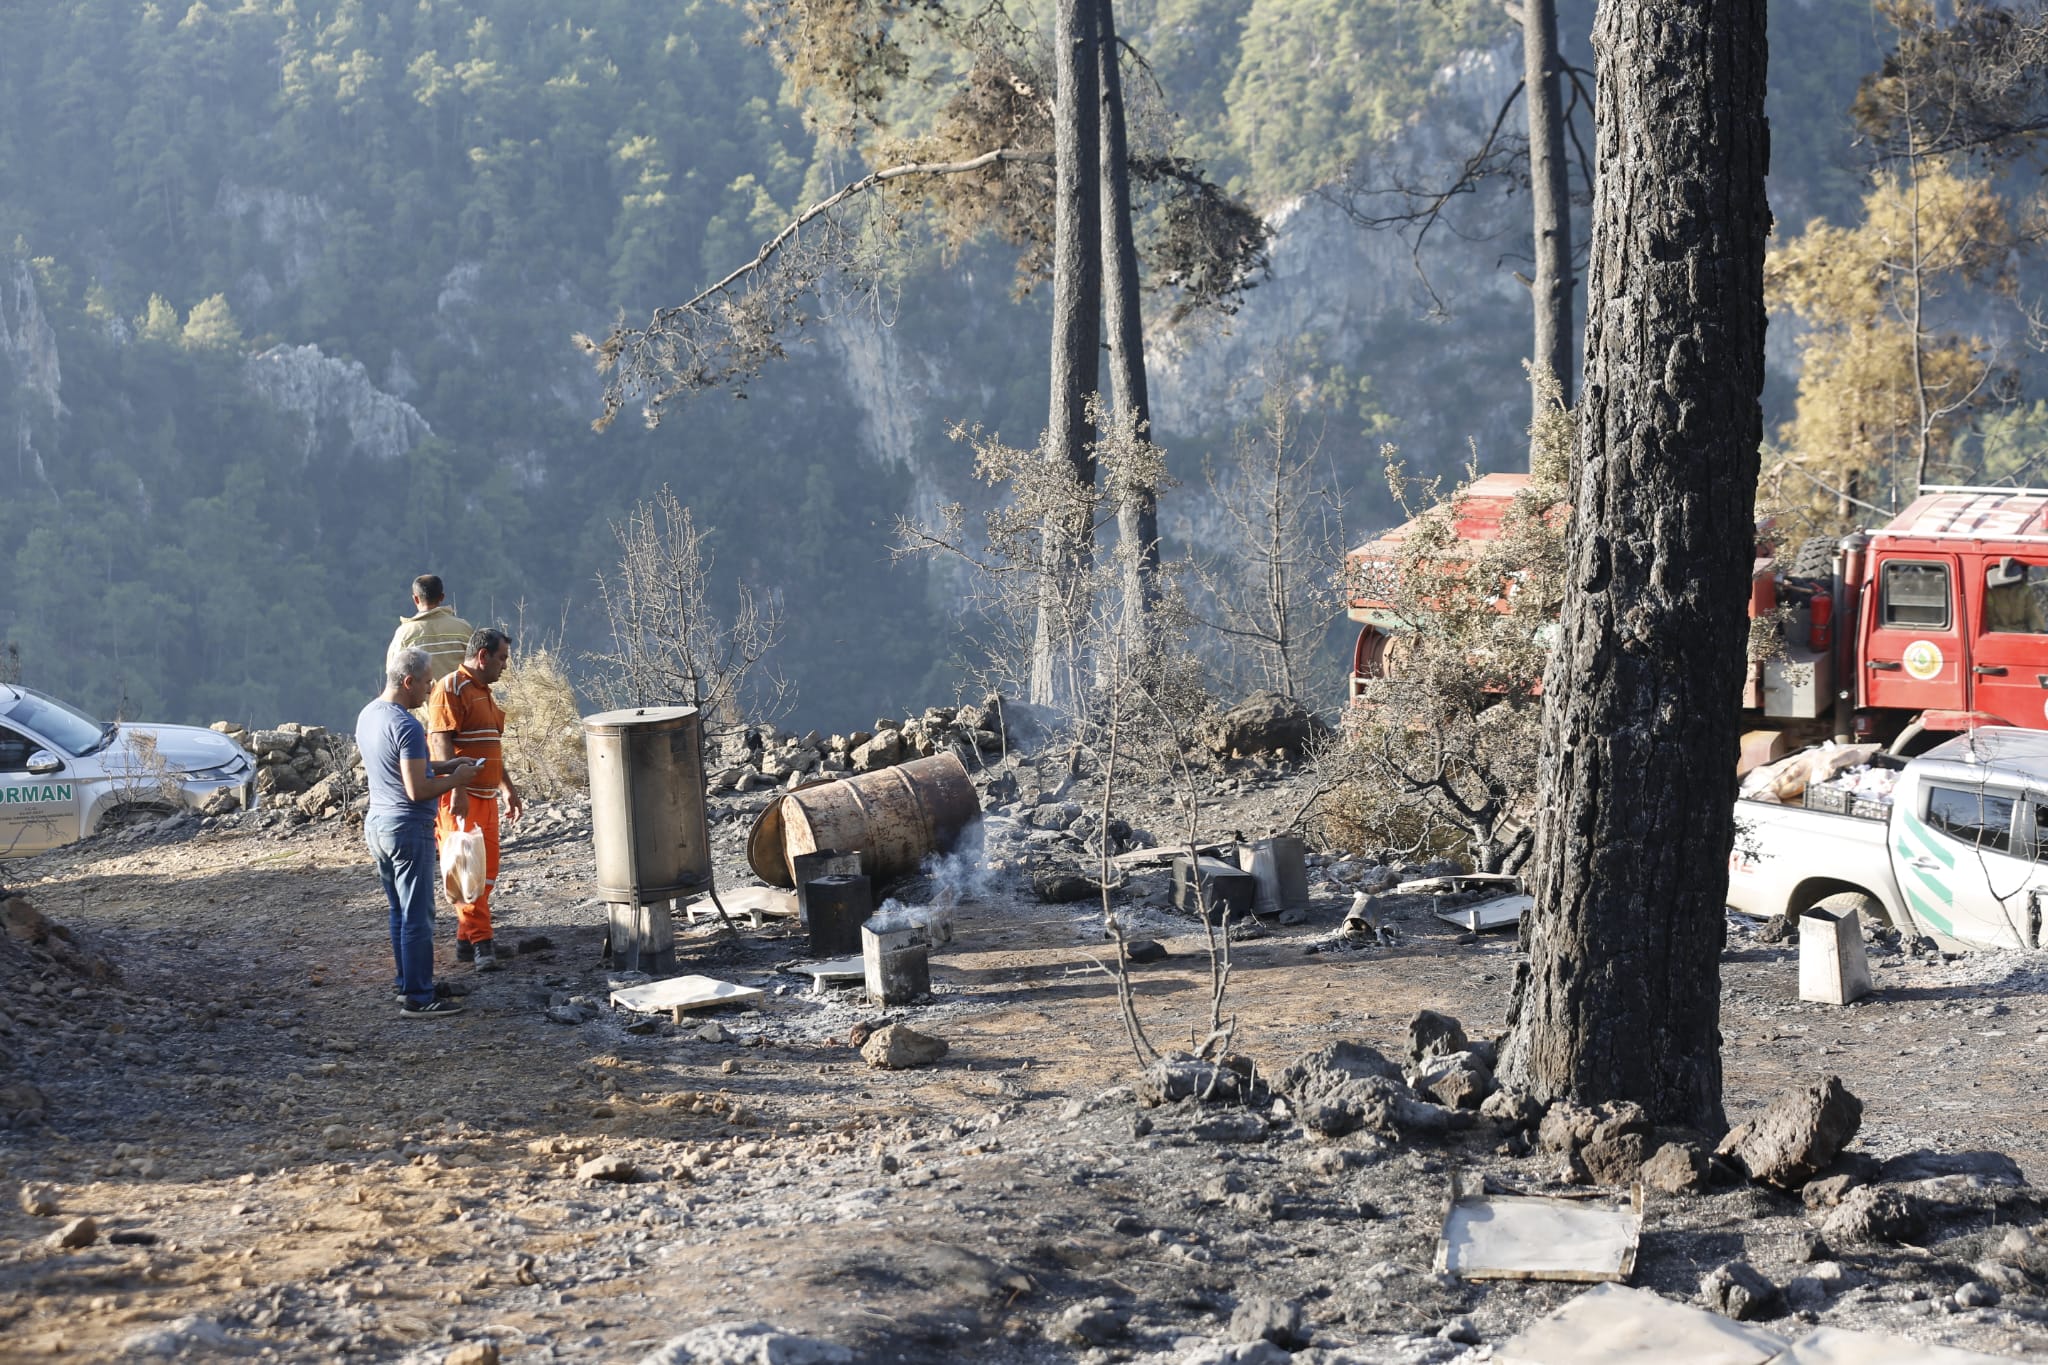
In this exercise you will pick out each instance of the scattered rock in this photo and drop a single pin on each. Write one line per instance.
(755, 1343)
(1828, 1191)
(1614, 1159)
(38, 1201)
(1874, 1215)
(1232, 1125)
(79, 1232)
(1434, 1035)
(1515, 1107)
(898, 1047)
(1244, 1353)
(1458, 1079)
(1739, 1291)
(1976, 1294)
(1677, 1168)
(22, 921)
(472, 1353)
(1268, 1319)
(614, 1169)
(1462, 1331)
(1798, 1136)
(1262, 722)
(201, 1338)
(1144, 950)
(1094, 1323)
(1347, 1086)
(1062, 886)
(1606, 1143)
(1181, 1076)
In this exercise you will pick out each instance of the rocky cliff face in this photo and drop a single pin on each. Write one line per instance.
(29, 367)
(335, 401)
(1345, 295)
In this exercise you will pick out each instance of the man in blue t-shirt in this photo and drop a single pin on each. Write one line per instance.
(399, 827)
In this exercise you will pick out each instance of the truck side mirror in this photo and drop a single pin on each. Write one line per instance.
(42, 763)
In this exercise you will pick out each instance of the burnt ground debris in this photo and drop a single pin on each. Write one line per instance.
(202, 1057)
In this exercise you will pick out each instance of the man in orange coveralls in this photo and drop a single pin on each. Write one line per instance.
(464, 721)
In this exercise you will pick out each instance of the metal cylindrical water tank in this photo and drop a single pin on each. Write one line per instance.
(647, 803)
(892, 817)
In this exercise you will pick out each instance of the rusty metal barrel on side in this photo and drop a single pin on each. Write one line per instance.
(892, 817)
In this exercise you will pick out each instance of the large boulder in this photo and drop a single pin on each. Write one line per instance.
(1260, 723)
(1434, 1035)
(1607, 1143)
(885, 750)
(1348, 1086)
(1798, 1137)
(898, 1047)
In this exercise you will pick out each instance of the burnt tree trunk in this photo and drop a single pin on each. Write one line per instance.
(1076, 341)
(1621, 995)
(1137, 518)
(1549, 199)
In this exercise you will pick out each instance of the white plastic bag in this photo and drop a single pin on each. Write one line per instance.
(463, 867)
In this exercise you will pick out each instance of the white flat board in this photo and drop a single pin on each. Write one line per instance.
(1837, 1346)
(756, 902)
(682, 993)
(1529, 1237)
(833, 969)
(1493, 914)
(1612, 1324)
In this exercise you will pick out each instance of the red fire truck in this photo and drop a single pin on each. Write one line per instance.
(1935, 623)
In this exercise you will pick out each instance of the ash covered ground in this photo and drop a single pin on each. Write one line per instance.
(201, 1057)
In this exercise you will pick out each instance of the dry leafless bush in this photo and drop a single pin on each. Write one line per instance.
(1269, 596)
(1440, 755)
(669, 648)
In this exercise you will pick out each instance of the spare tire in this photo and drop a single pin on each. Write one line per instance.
(1816, 558)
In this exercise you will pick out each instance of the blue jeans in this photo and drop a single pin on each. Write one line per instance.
(406, 865)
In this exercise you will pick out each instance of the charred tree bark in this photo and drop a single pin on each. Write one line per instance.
(1137, 516)
(1621, 995)
(1076, 338)
(1549, 198)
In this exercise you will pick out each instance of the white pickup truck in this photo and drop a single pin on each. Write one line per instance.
(1961, 855)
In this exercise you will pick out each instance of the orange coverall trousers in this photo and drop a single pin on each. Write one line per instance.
(473, 921)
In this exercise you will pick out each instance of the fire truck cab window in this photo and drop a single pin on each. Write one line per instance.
(2016, 598)
(1972, 817)
(1915, 596)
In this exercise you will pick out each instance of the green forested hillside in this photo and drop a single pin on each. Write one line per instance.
(199, 518)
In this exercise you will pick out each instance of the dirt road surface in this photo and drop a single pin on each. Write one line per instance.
(278, 1166)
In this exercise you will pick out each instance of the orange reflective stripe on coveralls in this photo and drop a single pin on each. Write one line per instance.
(464, 709)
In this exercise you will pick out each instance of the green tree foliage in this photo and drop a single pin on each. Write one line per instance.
(441, 190)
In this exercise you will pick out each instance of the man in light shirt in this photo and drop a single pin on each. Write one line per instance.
(434, 627)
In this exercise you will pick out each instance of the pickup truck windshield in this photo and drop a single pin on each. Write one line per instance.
(67, 727)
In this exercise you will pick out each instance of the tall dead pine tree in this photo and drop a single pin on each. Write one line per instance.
(1621, 997)
(1076, 338)
(1550, 204)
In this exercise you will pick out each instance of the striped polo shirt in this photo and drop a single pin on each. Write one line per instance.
(464, 708)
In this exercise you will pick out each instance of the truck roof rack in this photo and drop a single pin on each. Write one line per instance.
(2010, 490)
